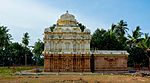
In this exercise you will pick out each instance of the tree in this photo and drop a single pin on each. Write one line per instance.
(97, 39)
(5, 38)
(112, 39)
(135, 38)
(121, 28)
(115, 38)
(17, 53)
(136, 57)
(111, 42)
(105, 40)
(82, 27)
(25, 41)
(137, 54)
(52, 27)
(38, 49)
(145, 45)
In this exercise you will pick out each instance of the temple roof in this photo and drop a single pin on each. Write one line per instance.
(67, 16)
(67, 19)
(110, 52)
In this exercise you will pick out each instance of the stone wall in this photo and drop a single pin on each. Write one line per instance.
(66, 63)
(84, 62)
(110, 62)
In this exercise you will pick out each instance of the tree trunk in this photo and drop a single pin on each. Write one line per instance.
(25, 60)
(36, 62)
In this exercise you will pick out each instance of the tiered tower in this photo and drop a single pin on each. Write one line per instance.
(67, 36)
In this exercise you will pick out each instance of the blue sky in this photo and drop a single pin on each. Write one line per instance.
(33, 16)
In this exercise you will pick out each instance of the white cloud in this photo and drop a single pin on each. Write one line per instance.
(32, 16)
(25, 12)
(26, 16)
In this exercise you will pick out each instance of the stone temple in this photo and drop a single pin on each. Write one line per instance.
(67, 49)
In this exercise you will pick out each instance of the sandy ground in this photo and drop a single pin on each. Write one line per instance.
(75, 79)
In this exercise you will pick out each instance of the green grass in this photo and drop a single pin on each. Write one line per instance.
(4, 71)
(8, 71)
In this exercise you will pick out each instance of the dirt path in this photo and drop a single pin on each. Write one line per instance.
(75, 79)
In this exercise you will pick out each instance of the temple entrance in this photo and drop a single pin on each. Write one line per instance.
(92, 63)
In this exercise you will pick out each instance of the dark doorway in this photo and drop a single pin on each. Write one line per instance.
(92, 63)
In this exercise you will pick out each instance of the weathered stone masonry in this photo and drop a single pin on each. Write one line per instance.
(84, 62)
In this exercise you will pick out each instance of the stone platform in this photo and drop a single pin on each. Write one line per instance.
(94, 62)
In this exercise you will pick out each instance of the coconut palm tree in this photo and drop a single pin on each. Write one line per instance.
(121, 28)
(97, 39)
(145, 45)
(135, 38)
(25, 41)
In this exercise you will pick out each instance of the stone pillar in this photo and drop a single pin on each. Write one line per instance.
(46, 64)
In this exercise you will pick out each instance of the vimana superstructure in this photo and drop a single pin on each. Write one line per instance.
(67, 49)
(67, 36)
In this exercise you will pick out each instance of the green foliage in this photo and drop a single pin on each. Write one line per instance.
(4, 37)
(115, 39)
(108, 40)
(17, 52)
(121, 28)
(7, 71)
(135, 38)
(25, 39)
(82, 27)
(38, 49)
(52, 27)
(15, 55)
(97, 39)
(145, 42)
(137, 56)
